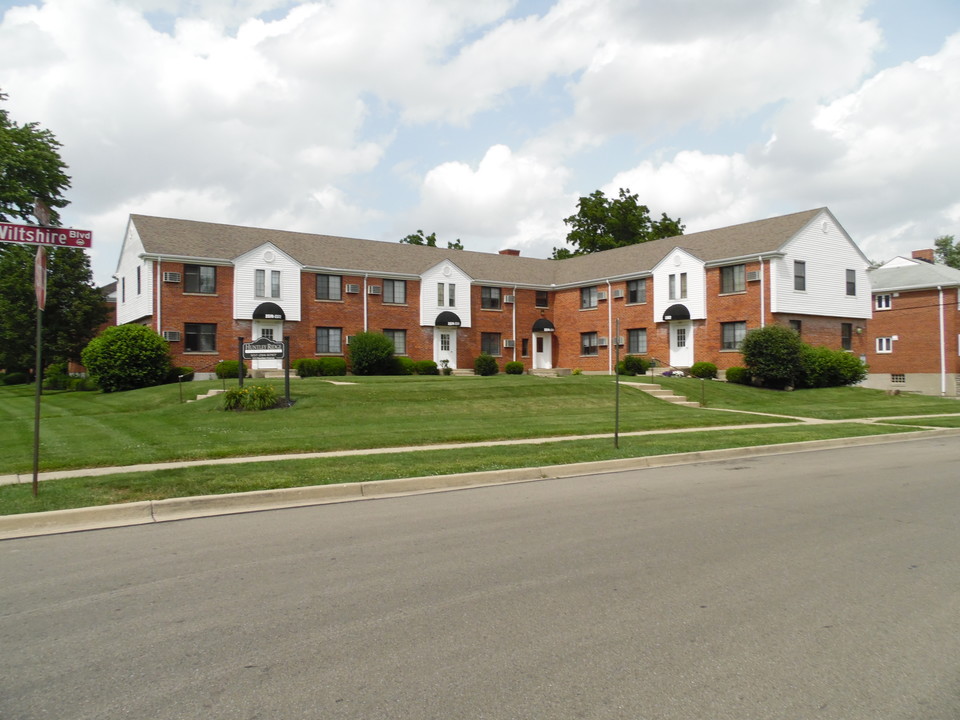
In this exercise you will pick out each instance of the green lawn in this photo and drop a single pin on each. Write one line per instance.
(151, 425)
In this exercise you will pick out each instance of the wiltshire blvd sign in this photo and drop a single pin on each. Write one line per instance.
(263, 348)
(36, 235)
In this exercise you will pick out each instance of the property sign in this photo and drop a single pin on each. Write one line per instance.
(263, 348)
(36, 235)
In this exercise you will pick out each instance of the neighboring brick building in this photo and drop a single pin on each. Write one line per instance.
(679, 300)
(914, 337)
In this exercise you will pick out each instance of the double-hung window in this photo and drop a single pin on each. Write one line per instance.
(490, 343)
(589, 343)
(200, 278)
(637, 341)
(328, 339)
(260, 283)
(851, 282)
(329, 287)
(732, 334)
(490, 298)
(884, 344)
(637, 291)
(446, 293)
(395, 291)
(543, 299)
(677, 286)
(588, 297)
(200, 337)
(733, 278)
(799, 275)
(399, 339)
(846, 336)
(883, 302)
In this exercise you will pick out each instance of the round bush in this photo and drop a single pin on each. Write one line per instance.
(230, 369)
(175, 373)
(126, 357)
(738, 375)
(404, 365)
(371, 354)
(705, 370)
(426, 367)
(485, 365)
(823, 367)
(307, 367)
(330, 366)
(515, 367)
(635, 365)
(774, 356)
(16, 378)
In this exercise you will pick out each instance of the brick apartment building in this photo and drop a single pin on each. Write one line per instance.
(915, 331)
(679, 300)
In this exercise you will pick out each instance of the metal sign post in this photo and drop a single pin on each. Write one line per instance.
(40, 289)
(616, 372)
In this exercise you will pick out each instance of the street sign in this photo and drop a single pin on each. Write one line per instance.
(40, 277)
(263, 348)
(54, 236)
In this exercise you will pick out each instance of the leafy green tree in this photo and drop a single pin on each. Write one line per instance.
(126, 357)
(774, 355)
(603, 224)
(947, 250)
(418, 238)
(31, 175)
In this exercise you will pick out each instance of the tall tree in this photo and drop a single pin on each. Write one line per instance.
(31, 174)
(602, 224)
(418, 238)
(947, 250)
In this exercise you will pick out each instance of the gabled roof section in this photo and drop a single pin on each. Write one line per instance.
(913, 275)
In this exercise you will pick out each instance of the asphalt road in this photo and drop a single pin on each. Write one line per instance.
(809, 585)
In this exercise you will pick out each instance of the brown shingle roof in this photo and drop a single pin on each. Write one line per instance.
(188, 238)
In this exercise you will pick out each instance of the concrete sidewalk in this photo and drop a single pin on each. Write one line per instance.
(139, 513)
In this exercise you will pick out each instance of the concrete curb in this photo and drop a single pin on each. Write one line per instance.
(172, 509)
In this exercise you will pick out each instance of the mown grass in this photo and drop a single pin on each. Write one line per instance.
(843, 403)
(151, 425)
(211, 480)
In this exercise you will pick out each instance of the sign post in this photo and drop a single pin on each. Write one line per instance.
(40, 290)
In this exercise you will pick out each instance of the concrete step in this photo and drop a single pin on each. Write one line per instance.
(662, 393)
(208, 394)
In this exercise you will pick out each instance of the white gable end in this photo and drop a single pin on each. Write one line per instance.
(134, 280)
(436, 295)
(279, 276)
(688, 284)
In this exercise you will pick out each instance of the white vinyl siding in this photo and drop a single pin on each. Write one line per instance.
(281, 274)
(130, 305)
(677, 263)
(456, 293)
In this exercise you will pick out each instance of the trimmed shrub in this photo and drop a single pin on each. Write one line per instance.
(426, 367)
(514, 367)
(403, 365)
(175, 373)
(252, 397)
(635, 365)
(126, 357)
(485, 365)
(774, 356)
(371, 353)
(705, 370)
(330, 366)
(307, 367)
(823, 367)
(230, 369)
(16, 378)
(738, 375)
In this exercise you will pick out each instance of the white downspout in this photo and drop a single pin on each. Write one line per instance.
(613, 339)
(943, 356)
(514, 323)
(156, 289)
(763, 292)
(365, 300)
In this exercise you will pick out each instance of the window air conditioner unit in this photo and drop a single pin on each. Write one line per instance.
(171, 277)
(349, 338)
(171, 335)
(374, 290)
(509, 298)
(619, 340)
(602, 342)
(353, 289)
(509, 343)
(602, 295)
(753, 276)
(618, 293)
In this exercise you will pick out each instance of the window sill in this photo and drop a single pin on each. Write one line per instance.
(329, 300)
(592, 307)
(201, 294)
(499, 309)
(200, 352)
(639, 302)
(733, 292)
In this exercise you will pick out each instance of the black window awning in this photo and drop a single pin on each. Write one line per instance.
(447, 319)
(269, 311)
(677, 312)
(543, 325)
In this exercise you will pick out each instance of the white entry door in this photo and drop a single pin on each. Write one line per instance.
(542, 351)
(681, 343)
(272, 329)
(445, 346)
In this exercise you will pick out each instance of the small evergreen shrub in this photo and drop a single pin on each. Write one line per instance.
(823, 367)
(16, 378)
(252, 397)
(738, 375)
(774, 355)
(635, 365)
(126, 357)
(514, 367)
(371, 353)
(175, 373)
(230, 369)
(83, 384)
(485, 365)
(426, 367)
(331, 366)
(705, 370)
(56, 377)
(307, 367)
(403, 365)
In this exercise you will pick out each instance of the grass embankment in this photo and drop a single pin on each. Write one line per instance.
(88, 430)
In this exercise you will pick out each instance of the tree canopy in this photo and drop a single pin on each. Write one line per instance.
(32, 173)
(418, 238)
(602, 223)
(947, 250)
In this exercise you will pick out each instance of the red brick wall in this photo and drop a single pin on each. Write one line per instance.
(914, 317)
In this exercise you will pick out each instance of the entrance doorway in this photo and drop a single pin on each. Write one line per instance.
(681, 343)
(273, 330)
(445, 346)
(542, 351)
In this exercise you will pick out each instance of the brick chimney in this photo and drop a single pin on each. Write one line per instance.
(509, 251)
(925, 255)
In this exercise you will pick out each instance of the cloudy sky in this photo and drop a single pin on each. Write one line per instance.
(486, 120)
